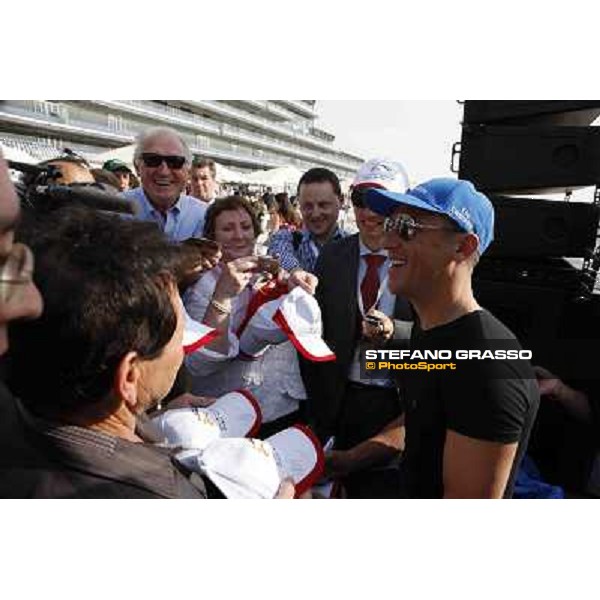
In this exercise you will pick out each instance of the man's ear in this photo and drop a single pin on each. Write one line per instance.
(467, 245)
(125, 385)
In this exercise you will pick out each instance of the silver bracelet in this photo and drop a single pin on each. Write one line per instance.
(220, 307)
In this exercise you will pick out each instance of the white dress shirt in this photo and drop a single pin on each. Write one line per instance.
(386, 304)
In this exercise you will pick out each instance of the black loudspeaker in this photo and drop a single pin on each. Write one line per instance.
(547, 273)
(532, 159)
(531, 311)
(531, 228)
(531, 112)
(521, 147)
(560, 330)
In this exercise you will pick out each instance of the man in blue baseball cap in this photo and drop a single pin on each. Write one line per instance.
(467, 428)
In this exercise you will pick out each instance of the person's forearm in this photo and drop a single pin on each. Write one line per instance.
(218, 315)
(384, 446)
(576, 403)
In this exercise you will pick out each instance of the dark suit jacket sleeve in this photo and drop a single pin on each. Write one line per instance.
(337, 270)
(403, 322)
(323, 380)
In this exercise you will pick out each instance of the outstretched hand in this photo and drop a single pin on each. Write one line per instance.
(307, 281)
(377, 327)
(548, 383)
(235, 276)
(208, 256)
(188, 400)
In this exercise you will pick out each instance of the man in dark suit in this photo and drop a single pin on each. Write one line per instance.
(364, 415)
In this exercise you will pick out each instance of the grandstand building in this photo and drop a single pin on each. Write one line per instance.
(246, 135)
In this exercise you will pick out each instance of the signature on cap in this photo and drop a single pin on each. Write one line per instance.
(463, 215)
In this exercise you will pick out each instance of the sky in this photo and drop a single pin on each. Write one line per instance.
(419, 134)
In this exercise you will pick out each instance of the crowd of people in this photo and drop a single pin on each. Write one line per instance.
(92, 335)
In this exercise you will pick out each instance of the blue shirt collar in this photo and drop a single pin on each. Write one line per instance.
(177, 207)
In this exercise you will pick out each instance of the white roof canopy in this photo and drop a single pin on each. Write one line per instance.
(279, 178)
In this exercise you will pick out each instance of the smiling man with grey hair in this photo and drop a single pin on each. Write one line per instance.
(162, 159)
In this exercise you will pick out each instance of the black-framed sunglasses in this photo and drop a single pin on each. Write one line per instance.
(153, 160)
(406, 227)
(15, 269)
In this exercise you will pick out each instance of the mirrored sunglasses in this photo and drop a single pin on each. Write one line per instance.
(407, 227)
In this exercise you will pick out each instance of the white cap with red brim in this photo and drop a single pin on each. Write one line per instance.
(299, 316)
(294, 316)
(235, 414)
(254, 469)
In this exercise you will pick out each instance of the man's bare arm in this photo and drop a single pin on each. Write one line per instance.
(476, 468)
(382, 447)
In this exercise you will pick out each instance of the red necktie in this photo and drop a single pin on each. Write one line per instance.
(369, 287)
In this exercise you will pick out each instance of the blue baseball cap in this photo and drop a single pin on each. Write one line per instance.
(457, 199)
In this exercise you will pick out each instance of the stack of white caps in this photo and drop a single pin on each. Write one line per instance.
(254, 469)
(235, 414)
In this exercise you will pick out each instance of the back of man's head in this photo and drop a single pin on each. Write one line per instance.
(68, 168)
(107, 287)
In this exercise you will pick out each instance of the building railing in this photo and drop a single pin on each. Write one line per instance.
(300, 107)
(62, 123)
(270, 107)
(189, 120)
(76, 119)
(289, 130)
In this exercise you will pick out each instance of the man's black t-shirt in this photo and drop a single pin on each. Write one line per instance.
(493, 400)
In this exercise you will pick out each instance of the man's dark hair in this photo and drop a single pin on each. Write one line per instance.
(200, 163)
(321, 175)
(106, 284)
(228, 203)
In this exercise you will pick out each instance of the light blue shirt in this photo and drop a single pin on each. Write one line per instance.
(185, 219)
(305, 255)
